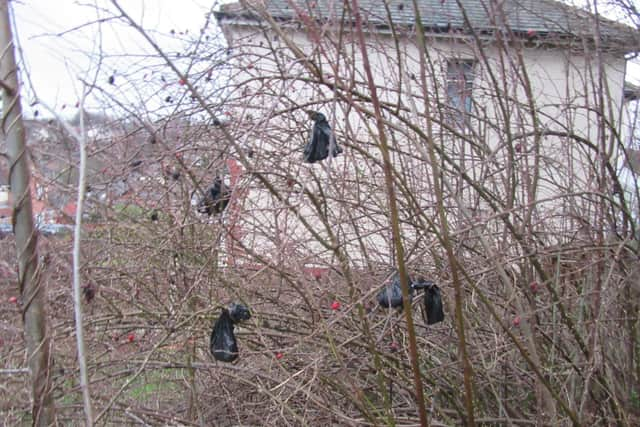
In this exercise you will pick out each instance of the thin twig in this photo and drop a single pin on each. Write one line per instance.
(77, 286)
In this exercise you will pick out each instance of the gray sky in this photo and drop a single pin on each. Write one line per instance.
(58, 45)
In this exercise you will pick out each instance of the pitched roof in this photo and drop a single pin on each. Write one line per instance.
(544, 18)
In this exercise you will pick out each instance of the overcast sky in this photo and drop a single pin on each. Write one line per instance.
(58, 45)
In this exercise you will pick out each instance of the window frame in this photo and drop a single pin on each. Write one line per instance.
(460, 75)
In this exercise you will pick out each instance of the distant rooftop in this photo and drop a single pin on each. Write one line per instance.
(544, 18)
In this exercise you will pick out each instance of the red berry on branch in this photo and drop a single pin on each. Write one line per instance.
(534, 287)
(335, 305)
(516, 321)
(279, 356)
(131, 337)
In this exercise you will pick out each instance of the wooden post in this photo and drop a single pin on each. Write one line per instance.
(32, 293)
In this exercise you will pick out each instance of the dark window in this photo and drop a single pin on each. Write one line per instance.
(460, 75)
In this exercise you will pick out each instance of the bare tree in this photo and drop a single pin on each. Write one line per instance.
(480, 153)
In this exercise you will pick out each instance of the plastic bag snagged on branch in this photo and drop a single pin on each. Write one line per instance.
(223, 343)
(215, 199)
(433, 304)
(391, 295)
(322, 140)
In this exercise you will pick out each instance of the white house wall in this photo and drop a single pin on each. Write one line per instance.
(356, 212)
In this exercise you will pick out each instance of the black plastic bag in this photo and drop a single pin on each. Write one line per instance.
(391, 295)
(433, 304)
(223, 343)
(322, 138)
(215, 199)
(239, 312)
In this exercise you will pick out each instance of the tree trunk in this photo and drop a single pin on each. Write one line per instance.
(32, 294)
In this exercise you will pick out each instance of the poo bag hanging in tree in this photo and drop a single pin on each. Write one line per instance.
(321, 141)
(215, 199)
(223, 343)
(433, 304)
(391, 295)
